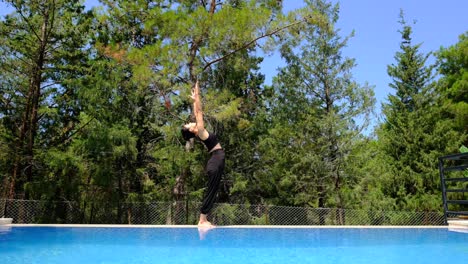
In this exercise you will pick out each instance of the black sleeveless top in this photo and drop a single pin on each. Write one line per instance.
(211, 141)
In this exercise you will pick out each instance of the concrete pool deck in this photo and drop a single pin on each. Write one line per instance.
(458, 225)
(5, 221)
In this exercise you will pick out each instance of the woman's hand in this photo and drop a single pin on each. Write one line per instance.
(193, 96)
(195, 92)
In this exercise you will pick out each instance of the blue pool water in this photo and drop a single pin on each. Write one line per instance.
(50, 245)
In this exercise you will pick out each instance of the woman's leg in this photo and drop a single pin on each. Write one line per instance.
(214, 170)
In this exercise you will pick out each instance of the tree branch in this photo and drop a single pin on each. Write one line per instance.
(251, 42)
(27, 21)
(66, 139)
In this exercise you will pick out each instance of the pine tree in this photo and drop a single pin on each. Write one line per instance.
(212, 41)
(453, 86)
(314, 116)
(43, 54)
(407, 135)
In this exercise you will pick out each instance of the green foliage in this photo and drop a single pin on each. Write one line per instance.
(313, 110)
(91, 105)
(463, 149)
(415, 132)
(453, 86)
(43, 52)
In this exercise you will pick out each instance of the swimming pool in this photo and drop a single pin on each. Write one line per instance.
(50, 245)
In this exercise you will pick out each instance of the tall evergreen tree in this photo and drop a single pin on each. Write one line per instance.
(42, 50)
(120, 113)
(453, 86)
(212, 41)
(407, 136)
(314, 115)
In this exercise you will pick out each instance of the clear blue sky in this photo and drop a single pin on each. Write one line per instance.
(439, 23)
(376, 39)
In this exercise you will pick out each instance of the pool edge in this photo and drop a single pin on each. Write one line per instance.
(229, 226)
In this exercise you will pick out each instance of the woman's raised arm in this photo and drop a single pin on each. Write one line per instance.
(197, 109)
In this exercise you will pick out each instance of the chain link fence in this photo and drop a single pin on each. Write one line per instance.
(187, 213)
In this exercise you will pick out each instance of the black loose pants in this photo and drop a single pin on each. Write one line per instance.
(214, 170)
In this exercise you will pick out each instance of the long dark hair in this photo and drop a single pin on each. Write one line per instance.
(186, 134)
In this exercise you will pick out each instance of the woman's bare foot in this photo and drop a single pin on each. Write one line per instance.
(204, 223)
(202, 231)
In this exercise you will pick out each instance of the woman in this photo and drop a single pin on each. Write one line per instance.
(215, 166)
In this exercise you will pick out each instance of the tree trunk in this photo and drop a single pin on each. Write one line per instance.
(19, 152)
(35, 87)
(28, 129)
(212, 6)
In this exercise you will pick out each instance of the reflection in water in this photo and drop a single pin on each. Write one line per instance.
(461, 230)
(203, 231)
(5, 229)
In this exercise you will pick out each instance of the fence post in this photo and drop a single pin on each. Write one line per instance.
(186, 212)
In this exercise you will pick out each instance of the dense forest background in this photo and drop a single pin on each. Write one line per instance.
(92, 102)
